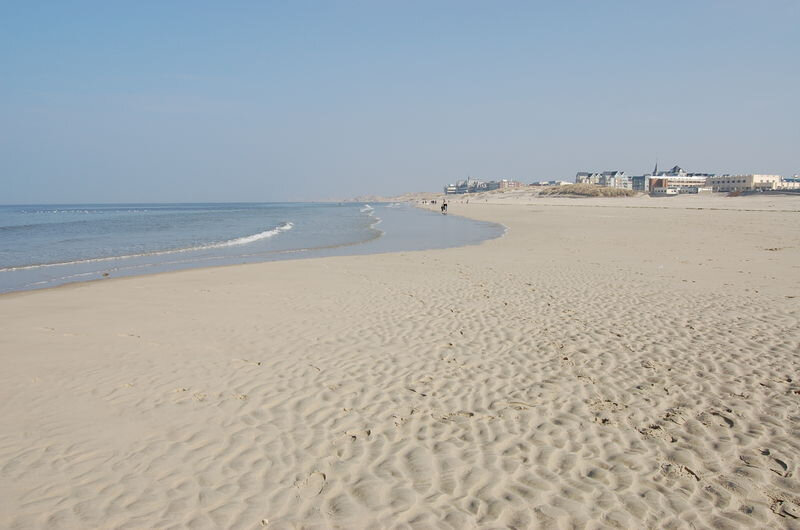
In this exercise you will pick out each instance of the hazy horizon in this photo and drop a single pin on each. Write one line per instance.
(203, 102)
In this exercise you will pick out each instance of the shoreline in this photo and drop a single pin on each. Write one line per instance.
(120, 267)
(78, 284)
(625, 366)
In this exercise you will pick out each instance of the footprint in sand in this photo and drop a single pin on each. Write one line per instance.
(715, 418)
(657, 432)
(312, 485)
(729, 422)
(779, 467)
(675, 415)
(775, 464)
(769, 461)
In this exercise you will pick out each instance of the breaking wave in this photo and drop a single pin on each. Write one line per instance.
(283, 227)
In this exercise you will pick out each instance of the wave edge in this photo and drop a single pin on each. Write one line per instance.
(244, 240)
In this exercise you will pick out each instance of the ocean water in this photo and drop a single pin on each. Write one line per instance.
(45, 246)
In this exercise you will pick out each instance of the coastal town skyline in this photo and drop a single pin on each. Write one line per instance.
(662, 181)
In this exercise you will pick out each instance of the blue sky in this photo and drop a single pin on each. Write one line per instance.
(261, 101)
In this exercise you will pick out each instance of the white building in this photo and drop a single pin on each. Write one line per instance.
(674, 181)
(587, 177)
(609, 179)
(471, 185)
(672, 185)
(552, 183)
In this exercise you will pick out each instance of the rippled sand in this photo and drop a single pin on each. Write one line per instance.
(621, 363)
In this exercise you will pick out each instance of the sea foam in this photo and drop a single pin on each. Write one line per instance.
(283, 227)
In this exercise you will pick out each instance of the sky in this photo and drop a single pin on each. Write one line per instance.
(197, 101)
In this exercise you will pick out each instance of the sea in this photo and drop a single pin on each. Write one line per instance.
(48, 245)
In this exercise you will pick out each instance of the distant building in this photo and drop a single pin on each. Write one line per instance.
(672, 185)
(586, 177)
(728, 183)
(552, 183)
(674, 181)
(618, 180)
(609, 179)
(659, 186)
(509, 184)
(676, 171)
(471, 185)
(639, 182)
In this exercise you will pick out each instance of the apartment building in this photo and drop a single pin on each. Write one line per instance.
(728, 183)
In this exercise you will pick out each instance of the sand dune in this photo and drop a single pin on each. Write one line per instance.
(600, 366)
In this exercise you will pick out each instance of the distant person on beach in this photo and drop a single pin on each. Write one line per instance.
(444, 207)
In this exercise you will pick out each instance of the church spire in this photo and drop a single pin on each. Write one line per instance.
(655, 169)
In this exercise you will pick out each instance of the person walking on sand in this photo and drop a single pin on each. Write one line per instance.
(444, 207)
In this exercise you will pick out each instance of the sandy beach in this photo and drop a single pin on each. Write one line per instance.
(608, 363)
